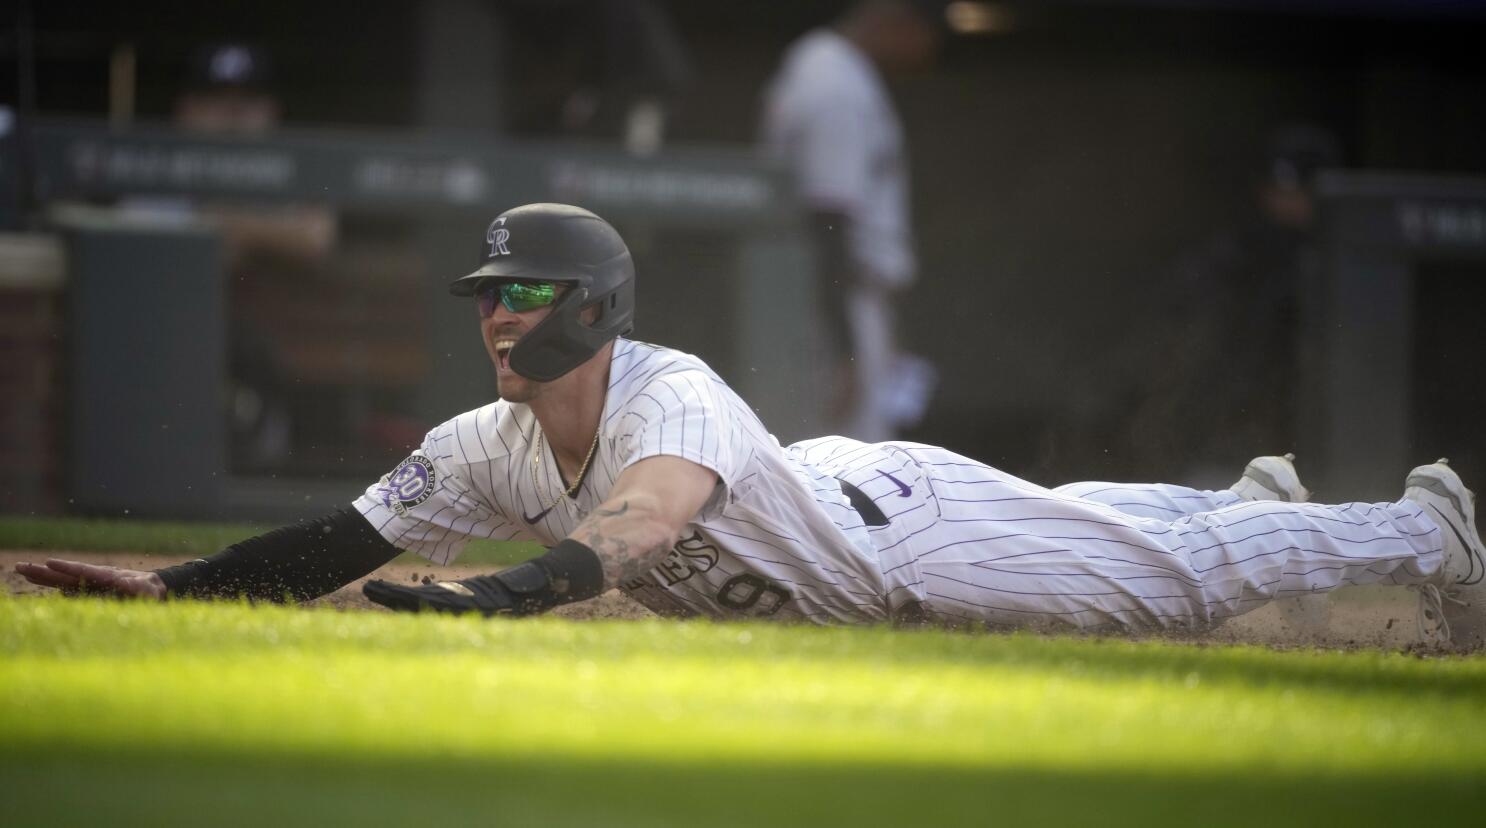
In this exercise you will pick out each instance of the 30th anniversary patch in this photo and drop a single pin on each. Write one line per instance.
(411, 483)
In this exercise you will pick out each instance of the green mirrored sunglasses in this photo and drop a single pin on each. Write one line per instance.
(518, 297)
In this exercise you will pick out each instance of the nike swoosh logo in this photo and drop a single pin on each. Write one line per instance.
(903, 490)
(1470, 551)
(539, 515)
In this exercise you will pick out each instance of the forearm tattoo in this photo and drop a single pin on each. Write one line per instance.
(627, 543)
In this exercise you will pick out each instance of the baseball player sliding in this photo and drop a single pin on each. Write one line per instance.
(641, 470)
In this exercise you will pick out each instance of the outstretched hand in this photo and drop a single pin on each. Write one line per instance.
(75, 577)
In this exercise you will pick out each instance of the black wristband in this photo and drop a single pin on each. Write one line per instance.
(569, 572)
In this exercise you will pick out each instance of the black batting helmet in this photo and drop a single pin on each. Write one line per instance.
(565, 245)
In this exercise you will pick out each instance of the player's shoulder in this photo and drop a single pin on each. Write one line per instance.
(824, 65)
(640, 370)
(637, 363)
(820, 48)
(483, 434)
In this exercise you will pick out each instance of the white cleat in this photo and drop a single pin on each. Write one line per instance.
(1274, 478)
(1452, 606)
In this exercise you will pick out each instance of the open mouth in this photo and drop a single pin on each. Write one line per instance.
(503, 352)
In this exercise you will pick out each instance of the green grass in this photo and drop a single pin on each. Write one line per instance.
(118, 535)
(224, 714)
(148, 537)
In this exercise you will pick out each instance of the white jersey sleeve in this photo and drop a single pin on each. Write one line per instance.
(833, 164)
(428, 505)
(686, 414)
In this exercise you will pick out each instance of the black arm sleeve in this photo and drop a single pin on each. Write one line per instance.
(298, 562)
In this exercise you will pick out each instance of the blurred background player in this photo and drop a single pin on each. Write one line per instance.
(1234, 347)
(229, 92)
(270, 250)
(828, 116)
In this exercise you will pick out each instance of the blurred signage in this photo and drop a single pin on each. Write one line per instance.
(1443, 223)
(393, 172)
(1421, 212)
(457, 181)
(180, 168)
(660, 188)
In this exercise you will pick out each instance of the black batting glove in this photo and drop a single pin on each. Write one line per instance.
(568, 572)
(484, 594)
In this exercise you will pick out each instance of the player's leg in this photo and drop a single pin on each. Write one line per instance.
(1265, 478)
(1005, 551)
(1161, 501)
(1271, 477)
(1274, 478)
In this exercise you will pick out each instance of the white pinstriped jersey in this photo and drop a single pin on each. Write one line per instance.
(778, 537)
(956, 538)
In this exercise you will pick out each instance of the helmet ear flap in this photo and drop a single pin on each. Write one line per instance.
(616, 311)
(559, 343)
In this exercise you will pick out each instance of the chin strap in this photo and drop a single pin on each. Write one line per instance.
(557, 344)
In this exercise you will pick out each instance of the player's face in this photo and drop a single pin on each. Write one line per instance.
(507, 313)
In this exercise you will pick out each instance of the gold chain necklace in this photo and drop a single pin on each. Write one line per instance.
(536, 460)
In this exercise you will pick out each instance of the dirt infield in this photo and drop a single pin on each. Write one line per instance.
(1361, 618)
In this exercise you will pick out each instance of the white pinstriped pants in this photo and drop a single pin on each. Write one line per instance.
(1002, 551)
